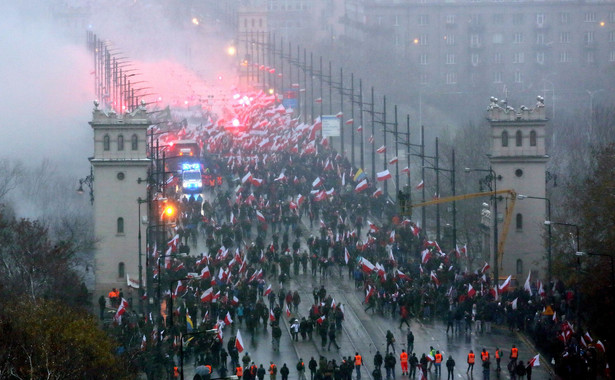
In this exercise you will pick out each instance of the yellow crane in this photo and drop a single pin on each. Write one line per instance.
(512, 196)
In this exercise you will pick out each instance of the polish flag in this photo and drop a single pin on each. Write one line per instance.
(392, 237)
(505, 285)
(383, 175)
(287, 311)
(361, 186)
(527, 285)
(322, 224)
(366, 265)
(233, 218)
(346, 255)
(339, 115)
(406, 170)
(541, 290)
(246, 178)
(267, 291)
(420, 185)
(205, 274)
(415, 230)
(382, 149)
(317, 182)
(333, 304)
(227, 319)
(281, 177)
(484, 268)
(260, 216)
(600, 346)
(271, 316)
(239, 342)
(588, 337)
(173, 243)
(321, 319)
(393, 160)
(318, 100)
(300, 199)
(349, 121)
(425, 256)
(328, 165)
(370, 139)
(464, 250)
(421, 269)
(377, 193)
(207, 295)
(372, 227)
(359, 128)
(120, 310)
(514, 303)
(235, 301)
(256, 181)
(534, 362)
(403, 276)
(434, 278)
(471, 291)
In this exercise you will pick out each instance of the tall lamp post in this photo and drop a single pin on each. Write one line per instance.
(490, 179)
(549, 236)
(140, 202)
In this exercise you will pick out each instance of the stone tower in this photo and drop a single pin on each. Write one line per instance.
(519, 161)
(120, 159)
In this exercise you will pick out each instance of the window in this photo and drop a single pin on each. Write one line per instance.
(252, 23)
(612, 56)
(540, 19)
(504, 139)
(475, 59)
(120, 142)
(120, 225)
(589, 37)
(396, 40)
(540, 38)
(532, 138)
(423, 20)
(423, 59)
(518, 138)
(134, 142)
(540, 57)
(106, 142)
(518, 19)
(475, 19)
(498, 18)
(564, 37)
(590, 57)
(519, 266)
(450, 39)
(498, 38)
(612, 17)
(423, 39)
(424, 78)
(518, 38)
(451, 78)
(497, 58)
(121, 270)
(564, 18)
(497, 77)
(450, 19)
(590, 16)
(450, 59)
(519, 220)
(396, 21)
(518, 77)
(519, 57)
(612, 36)
(564, 56)
(474, 40)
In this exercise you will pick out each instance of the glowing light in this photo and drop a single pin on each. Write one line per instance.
(236, 96)
(185, 102)
(219, 77)
(160, 98)
(235, 123)
(416, 41)
(231, 51)
(169, 210)
(602, 23)
(195, 21)
(271, 91)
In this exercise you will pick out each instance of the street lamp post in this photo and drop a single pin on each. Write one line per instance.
(140, 202)
(549, 236)
(492, 178)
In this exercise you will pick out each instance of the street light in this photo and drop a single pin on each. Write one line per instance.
(89, 182)
(492, 178)
(549, 236)
(140, 202)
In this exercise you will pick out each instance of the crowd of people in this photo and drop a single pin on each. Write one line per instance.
(294, 206)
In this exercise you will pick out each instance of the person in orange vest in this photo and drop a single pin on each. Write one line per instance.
(403, 360)
(484, 355)
(514, 354)
(175, 372)
(438, 364)
(273, 371)
(358, 362)
(470, 362)
(498, 357)
(239, 372)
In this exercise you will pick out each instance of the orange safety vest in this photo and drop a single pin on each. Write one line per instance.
(272, 369)
(239, 371)
(175, 372)
(209, 367)
(403, 357)
(471, 358)
(484, 355)
(438, 358)
(357, 360)
(514, 352)
(497, 354)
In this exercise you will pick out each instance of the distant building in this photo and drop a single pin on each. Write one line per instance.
(120, 159)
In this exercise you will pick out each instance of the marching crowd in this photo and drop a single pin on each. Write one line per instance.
(256, 237)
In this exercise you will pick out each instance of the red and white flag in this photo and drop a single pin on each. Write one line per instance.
(401, 275)
(392, 237)
(425, 256)
(377, 193)
(205, 274)
(370, 139)
(361, 186)
(527, 286)
(207, 295)
(420, 185)
(485, 268)
(321, 319)
(267, 291)
(415, 230)
(471, 291)
(366, 265)
(505, 285)
(349, 121)
(227, 319)
(120, 310)
(317, 182)
(434, 278)
(514, 303)
(382, 149)
(406, 170)
(246, 178)
(393, 160)
(372, 227)
(600, 346)
(534, 362)
(383, 175)
(239, 342)
(464, 250)
(287, 311)
(346, 255)
(318, 100)
(260, 216)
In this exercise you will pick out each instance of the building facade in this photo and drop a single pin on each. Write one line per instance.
(119, 161)
(518, 160)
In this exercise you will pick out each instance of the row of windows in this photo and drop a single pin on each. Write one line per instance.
(517, 19)
(134, 142)
(477, 40)
(517, 58)
(518, 138)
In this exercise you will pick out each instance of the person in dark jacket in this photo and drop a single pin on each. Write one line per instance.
(260, 372)
(284, 371)
(378, 360)
(389, 365)
(450, 366)
(312, 365)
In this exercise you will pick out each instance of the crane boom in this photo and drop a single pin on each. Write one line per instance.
(507, 216)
